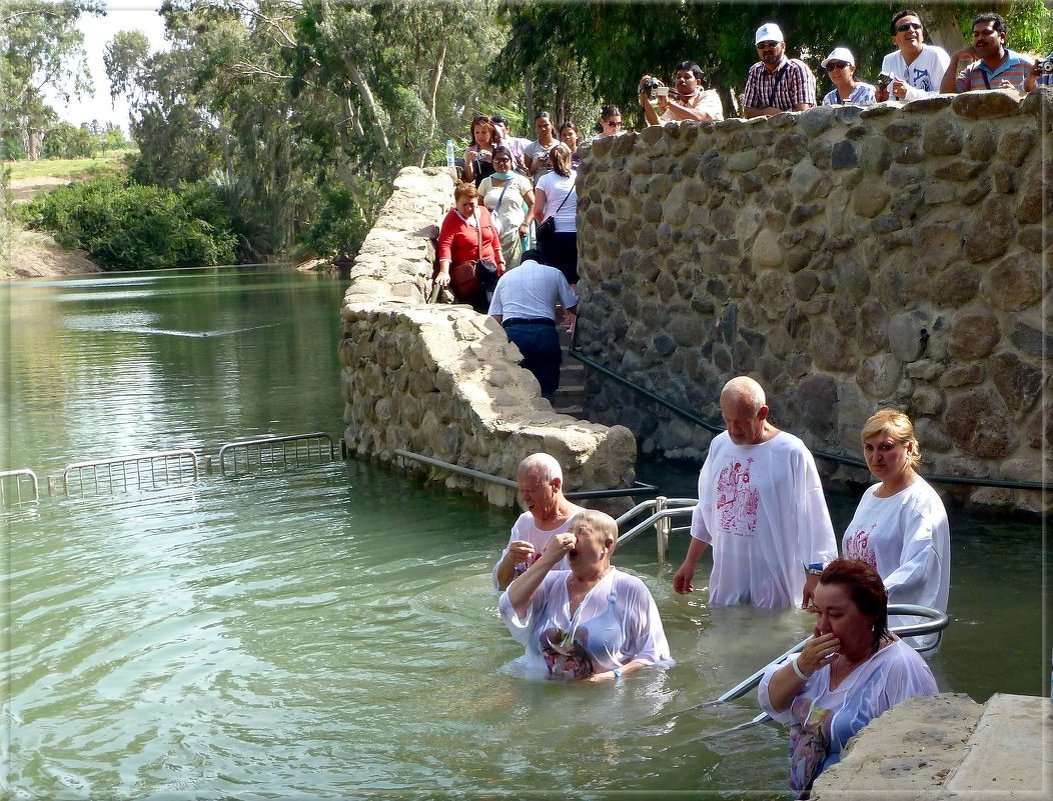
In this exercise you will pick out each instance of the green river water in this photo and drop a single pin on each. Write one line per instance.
(330, 632)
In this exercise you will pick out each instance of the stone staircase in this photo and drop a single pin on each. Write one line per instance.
(570, 397)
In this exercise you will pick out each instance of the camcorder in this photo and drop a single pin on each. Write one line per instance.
(884, 80)
(1047, 64)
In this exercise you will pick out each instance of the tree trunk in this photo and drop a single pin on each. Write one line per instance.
(370, 103)
(433, 94)
(528, 96)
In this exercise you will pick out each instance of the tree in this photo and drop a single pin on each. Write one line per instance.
(41, 46)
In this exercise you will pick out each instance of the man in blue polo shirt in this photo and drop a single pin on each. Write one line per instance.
(988, 63)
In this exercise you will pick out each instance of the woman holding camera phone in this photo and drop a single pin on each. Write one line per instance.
(690, 101)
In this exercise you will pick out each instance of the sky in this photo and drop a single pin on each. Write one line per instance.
(121, 15)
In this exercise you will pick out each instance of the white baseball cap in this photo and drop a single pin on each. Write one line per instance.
(840, 54)
(768, 32)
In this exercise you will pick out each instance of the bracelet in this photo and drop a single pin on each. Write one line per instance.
(815, 569)
(617, 673)
(797, 670)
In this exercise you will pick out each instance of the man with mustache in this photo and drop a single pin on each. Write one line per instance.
(989, 63)
(776, 83)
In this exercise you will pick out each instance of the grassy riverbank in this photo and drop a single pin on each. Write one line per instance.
(110, 162)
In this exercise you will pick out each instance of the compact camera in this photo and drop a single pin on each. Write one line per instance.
(884, 80)
(652, 84)
(1047, 65)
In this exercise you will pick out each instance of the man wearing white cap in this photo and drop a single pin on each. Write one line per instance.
(840, 65)
(776, 83)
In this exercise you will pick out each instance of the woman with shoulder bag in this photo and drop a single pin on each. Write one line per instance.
(505, 194)
(470, 258)
(555, 210)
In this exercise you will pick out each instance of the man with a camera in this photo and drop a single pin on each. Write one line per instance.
(689, 101)
(988, 63)
(915, 69)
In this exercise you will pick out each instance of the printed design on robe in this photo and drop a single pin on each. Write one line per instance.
(565, 653)
(857, 546)
(809, 749)
(737, 500)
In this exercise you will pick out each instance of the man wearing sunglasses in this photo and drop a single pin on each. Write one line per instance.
(917, 67)
(776, 83)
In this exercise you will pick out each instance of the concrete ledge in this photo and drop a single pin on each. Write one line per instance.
(948, 747)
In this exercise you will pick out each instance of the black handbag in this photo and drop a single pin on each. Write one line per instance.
(548, 227)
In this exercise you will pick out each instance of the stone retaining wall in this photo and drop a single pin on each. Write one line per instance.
(848, 259)
(443, 381)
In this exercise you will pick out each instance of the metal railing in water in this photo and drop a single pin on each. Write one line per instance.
(638, 488)
(662, 512)
(150, 469)
(297, 450)
(936, 621)
(11, 487)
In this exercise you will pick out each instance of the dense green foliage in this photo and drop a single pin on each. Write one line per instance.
(296, 116)
(127, 226)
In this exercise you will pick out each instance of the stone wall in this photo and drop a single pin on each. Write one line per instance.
(848, 259)
(443, 381)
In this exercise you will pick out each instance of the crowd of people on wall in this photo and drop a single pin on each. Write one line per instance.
(762, 512)
(518, 195)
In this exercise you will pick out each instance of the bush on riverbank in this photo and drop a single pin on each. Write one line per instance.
(127, 226)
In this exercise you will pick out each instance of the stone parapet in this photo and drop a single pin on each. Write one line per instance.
(847, 258)
(443, 381)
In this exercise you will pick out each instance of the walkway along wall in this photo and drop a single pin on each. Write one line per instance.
(848, 259)
(443, 381)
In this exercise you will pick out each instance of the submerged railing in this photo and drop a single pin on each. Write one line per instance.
(297, 450)
(11, 487)
(150, 469)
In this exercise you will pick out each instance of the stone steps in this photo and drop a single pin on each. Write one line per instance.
(570, 397)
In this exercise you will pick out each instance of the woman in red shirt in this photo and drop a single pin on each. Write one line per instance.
(468, 234)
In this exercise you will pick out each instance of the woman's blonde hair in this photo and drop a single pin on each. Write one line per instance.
(465, 190)
(598, 521)
(898, 425)
(559, 156)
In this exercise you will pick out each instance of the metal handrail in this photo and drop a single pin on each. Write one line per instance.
(18, 475)
(643, 525)
(937, 622)
(133, 459)
(266, 442)
(637, 488)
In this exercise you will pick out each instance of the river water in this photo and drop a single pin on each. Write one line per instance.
(330, 631)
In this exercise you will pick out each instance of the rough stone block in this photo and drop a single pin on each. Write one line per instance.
(974, 334)
(1014, 283)
(990, 230)
(869, 199)
(978, 423)
(986, 105)
(943, 136)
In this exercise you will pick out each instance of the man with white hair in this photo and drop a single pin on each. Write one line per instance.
(776, 83)
(547, 514)
(761, 508)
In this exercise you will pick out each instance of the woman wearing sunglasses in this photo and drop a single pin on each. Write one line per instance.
(509, 196)
(840, 65)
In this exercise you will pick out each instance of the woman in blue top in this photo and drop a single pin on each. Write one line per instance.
(840, 65)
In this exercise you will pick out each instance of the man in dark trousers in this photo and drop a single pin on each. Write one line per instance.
(525, 302)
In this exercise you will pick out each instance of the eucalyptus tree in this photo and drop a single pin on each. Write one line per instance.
(41, 47)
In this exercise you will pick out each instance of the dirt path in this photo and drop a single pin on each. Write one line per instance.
(30, 254)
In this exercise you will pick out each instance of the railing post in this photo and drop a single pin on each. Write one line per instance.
(661, 529)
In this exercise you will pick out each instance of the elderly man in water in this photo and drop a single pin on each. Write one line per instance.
(547, 514)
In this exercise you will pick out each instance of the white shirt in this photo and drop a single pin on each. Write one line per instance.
(616, 623)
(924, 74)
(531, 291)
(822, 720)
(556, 188)
(906, 539)
(525, 528)
(762, 509)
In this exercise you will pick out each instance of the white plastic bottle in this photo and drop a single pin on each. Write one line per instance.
(450, 157)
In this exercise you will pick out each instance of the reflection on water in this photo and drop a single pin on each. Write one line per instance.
(331, 632)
